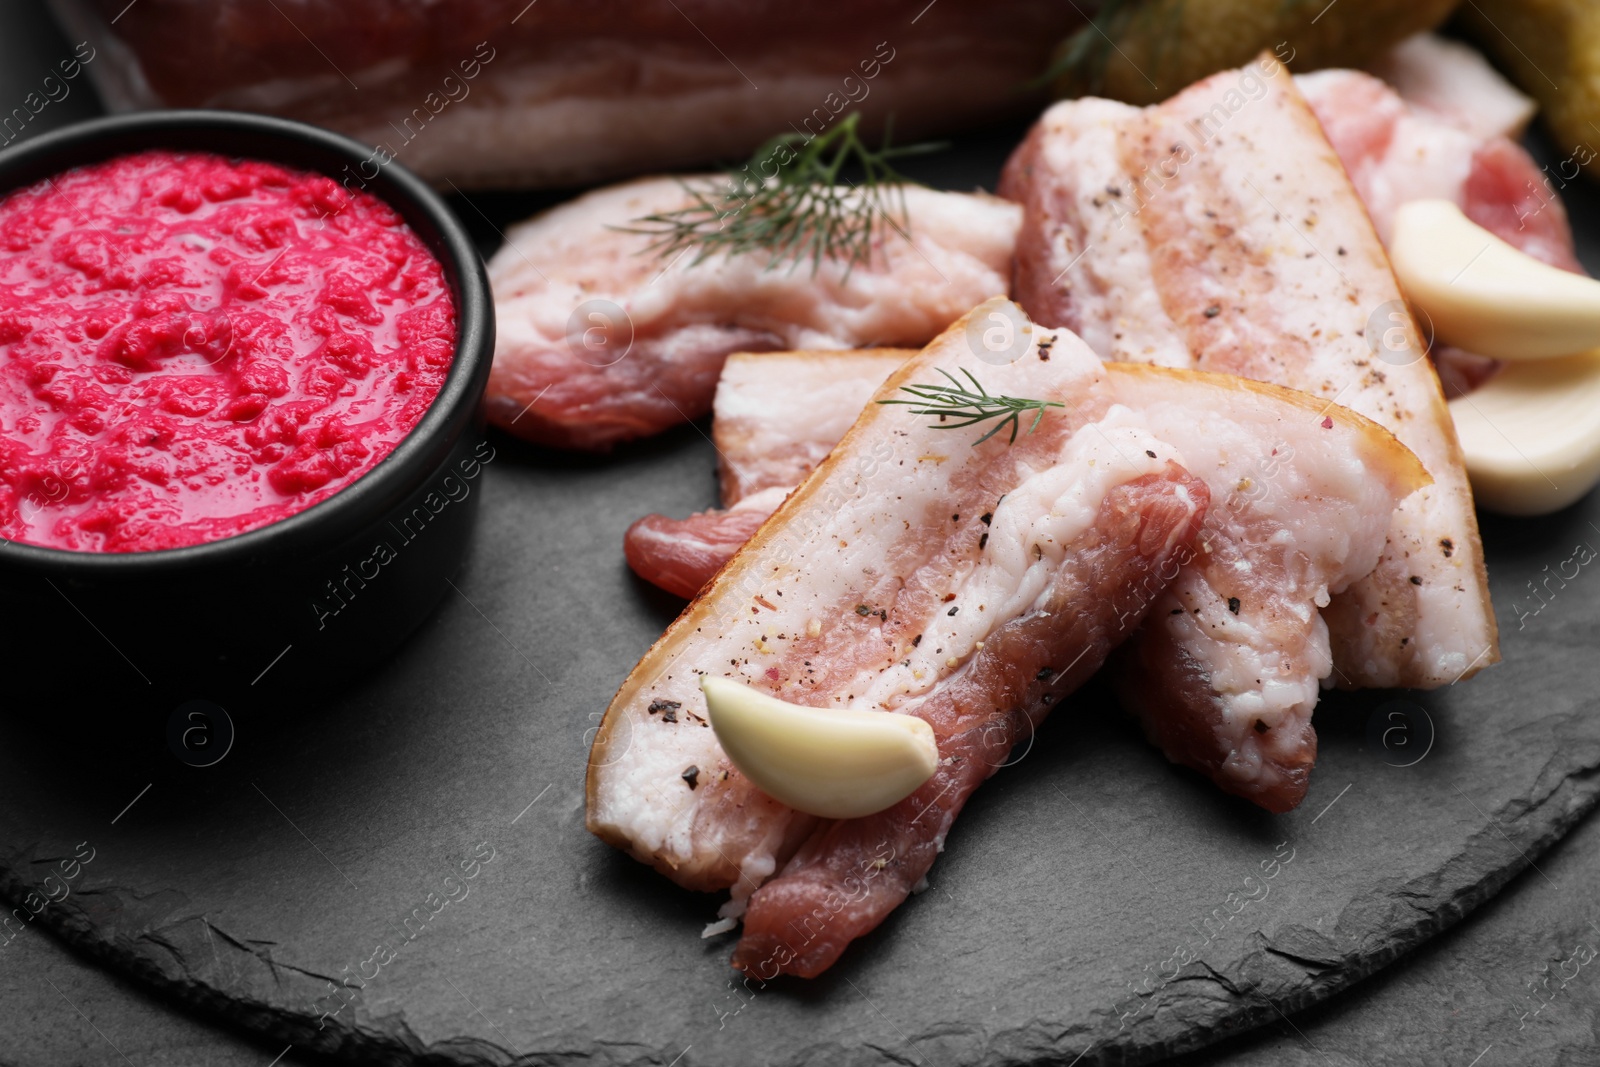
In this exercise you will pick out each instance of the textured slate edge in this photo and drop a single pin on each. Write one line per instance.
(156, 939)
(144, 937)
(1306, 966)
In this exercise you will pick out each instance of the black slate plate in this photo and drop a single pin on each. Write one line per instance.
(249, 888)
(1514, 985)
(1471, 994)
(245, 887)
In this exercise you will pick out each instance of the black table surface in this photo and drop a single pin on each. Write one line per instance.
(1504, 984)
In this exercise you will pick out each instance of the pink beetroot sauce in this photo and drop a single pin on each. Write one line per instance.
(192, 347)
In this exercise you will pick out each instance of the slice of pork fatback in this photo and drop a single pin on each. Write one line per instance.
(599, 340)
(1226, 670)
(841, 599)
(775, 417)
(970, 586)
(1455, 81)
(1397, 149)
(1395, 152)
(778, 414)
(1299, 502)
(1218, 230)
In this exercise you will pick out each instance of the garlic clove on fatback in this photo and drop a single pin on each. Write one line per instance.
(838, 763)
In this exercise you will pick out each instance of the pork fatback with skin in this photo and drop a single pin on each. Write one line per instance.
(1220, 231)
(599, 340)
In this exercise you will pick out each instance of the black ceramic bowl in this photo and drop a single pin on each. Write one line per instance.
(294, 609)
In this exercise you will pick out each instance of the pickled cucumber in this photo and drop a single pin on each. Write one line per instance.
(1144, 51)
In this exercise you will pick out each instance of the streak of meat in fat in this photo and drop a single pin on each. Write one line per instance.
(1028, 535)
(1239, 659)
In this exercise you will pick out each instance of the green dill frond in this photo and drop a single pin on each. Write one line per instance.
(971, 406)
(794, 201)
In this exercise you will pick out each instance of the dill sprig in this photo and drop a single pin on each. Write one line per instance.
(971, 406)
(808, 209)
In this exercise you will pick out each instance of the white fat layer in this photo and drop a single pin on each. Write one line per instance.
(1455, 81)
(766, 499)
(780, 392)
(721, 926)
(1246, 672)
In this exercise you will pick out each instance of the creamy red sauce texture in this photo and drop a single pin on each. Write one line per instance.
(192, 347)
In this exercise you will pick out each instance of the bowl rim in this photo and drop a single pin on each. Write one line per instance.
(374, 494)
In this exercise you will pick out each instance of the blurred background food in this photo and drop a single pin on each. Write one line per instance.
(571, 92)
(1552, 49)
(561, 93)
(1143, 51)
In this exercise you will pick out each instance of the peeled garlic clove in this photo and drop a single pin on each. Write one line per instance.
(1485, 296)
(1531, 434)
(832, 762)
